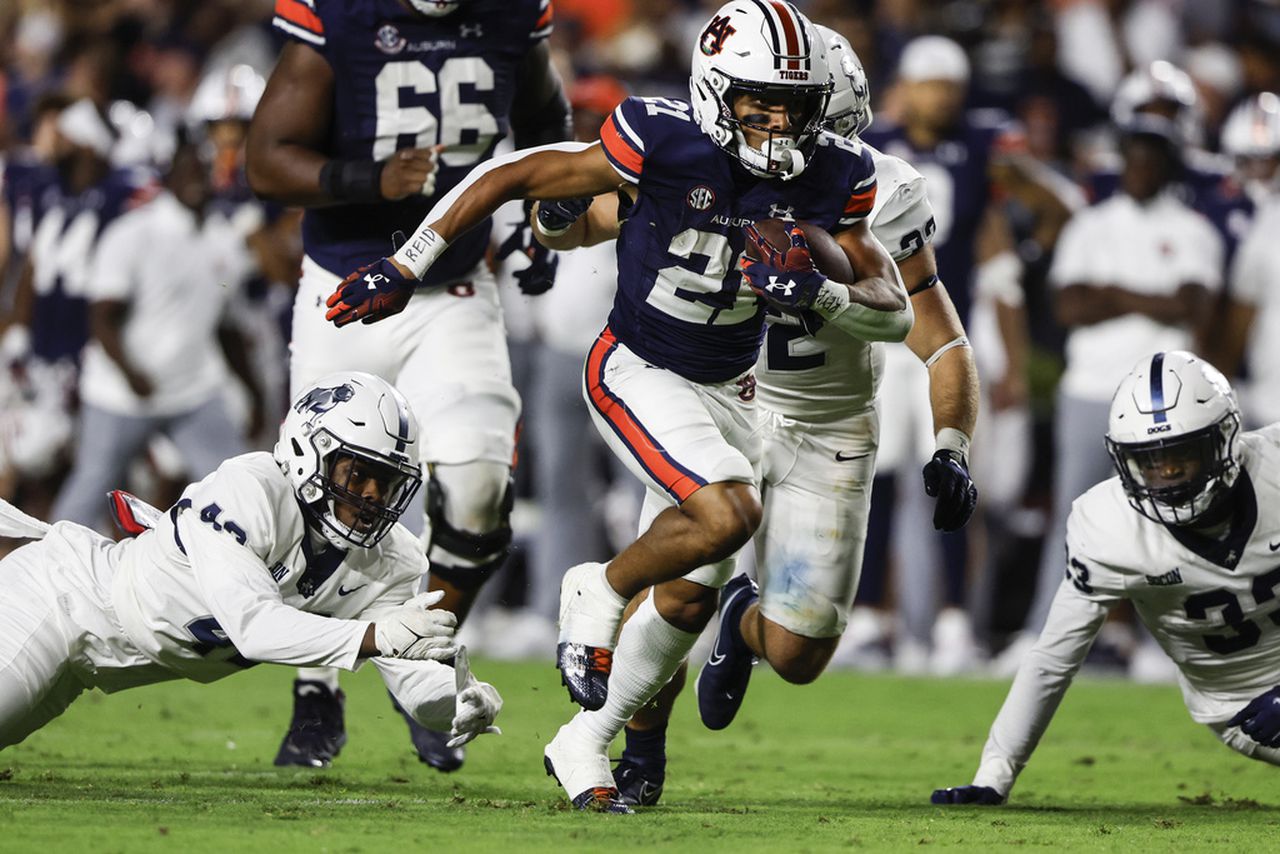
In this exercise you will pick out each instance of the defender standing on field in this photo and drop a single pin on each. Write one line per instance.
(374, 107)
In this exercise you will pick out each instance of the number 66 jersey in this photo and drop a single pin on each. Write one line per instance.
(405, 80)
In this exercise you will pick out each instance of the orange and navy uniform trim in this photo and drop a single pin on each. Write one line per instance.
(624, 153)
(298, 18)
(678, 481)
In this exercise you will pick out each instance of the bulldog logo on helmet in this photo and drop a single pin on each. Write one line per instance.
(320, 400)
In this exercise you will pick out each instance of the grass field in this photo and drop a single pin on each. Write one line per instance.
(846, 763)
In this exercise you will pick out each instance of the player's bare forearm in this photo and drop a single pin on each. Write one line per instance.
(369, 644)
(540, 111)
(284, 151)
(878, 286)
(106, 322)
(934, 338)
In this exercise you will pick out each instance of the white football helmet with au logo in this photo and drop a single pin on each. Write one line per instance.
(849, 112)
(764, 48)
(1172, 435)
(364, 418)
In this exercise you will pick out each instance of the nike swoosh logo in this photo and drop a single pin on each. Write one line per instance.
(1273, 546)
(715, 659)
(842, 458)
(342, 591)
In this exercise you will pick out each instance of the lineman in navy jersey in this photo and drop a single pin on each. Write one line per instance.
(288, 558)
(375, 109)
(1188, 533)
(669, 381)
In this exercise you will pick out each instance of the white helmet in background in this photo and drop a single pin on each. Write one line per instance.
(1172, 435)
(849, 111)
(1160, 84)
(227, 94)
(1251, 135)
(768, 49)
(358, 416)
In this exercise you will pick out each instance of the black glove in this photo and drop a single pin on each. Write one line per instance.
(1260, 720)
(540, 275)
(946, 477)
(555, 217)
(981, 796)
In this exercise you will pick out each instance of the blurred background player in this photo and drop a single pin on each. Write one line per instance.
(1185, 533)
(1134, 273)
(372, 110)
(967, 158)
(164, 275)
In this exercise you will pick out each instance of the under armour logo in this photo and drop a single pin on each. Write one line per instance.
(372, 280)
(471, 31)
(783, 287)
(787, 213)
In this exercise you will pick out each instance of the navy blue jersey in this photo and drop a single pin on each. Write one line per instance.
(681, 302)
(955, 174)
(404, 80)
(30, 187)
(61, 252)
(1206, 185)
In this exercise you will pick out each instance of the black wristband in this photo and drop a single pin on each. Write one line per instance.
(924, 286)
(352, 180)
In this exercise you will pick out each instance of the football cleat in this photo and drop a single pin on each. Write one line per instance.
(317, 732)
(582, 770)
(432, 747)
(722, 684)
(637, 785)
(590, 612)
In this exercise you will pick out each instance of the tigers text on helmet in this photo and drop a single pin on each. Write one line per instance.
(1172, 435)
(767, 50)
(1162, 88)
(349, 447)
(849, 112)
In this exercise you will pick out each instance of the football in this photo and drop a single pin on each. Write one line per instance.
(828, 256)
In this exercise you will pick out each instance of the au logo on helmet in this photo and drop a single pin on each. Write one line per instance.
(713, 37)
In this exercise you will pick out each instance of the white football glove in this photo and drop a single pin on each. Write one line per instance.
(476, 704)
(413, 632)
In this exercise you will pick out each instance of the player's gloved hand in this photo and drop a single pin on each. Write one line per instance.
(540, 275)
(786, 278)
(413, 632)
(946, 477)
(554, 218)
(982, 796)
(372, 293)
(1260, 720)
(476, 704)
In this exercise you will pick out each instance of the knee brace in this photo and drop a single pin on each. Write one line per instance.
(471, 557)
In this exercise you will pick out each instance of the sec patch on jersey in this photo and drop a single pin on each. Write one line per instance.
(828, 256)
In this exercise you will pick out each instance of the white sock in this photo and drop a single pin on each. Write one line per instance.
(328, 676)
(648, 654)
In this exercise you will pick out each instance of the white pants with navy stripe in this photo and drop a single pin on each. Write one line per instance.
(674, 434)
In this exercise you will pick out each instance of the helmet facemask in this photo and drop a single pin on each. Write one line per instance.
(1178, 480)
(783, 154)
(336, 497)
(435, 8)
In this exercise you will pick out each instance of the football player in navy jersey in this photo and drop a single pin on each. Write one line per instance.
(374, 108)
(669, 382)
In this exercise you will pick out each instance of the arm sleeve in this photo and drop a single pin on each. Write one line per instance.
(298, 21)
(1039, 686)
(237, 587)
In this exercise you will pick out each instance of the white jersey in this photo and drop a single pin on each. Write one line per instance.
(233, 575)
(1213, 606)
(1255, 280)
(832, 375)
